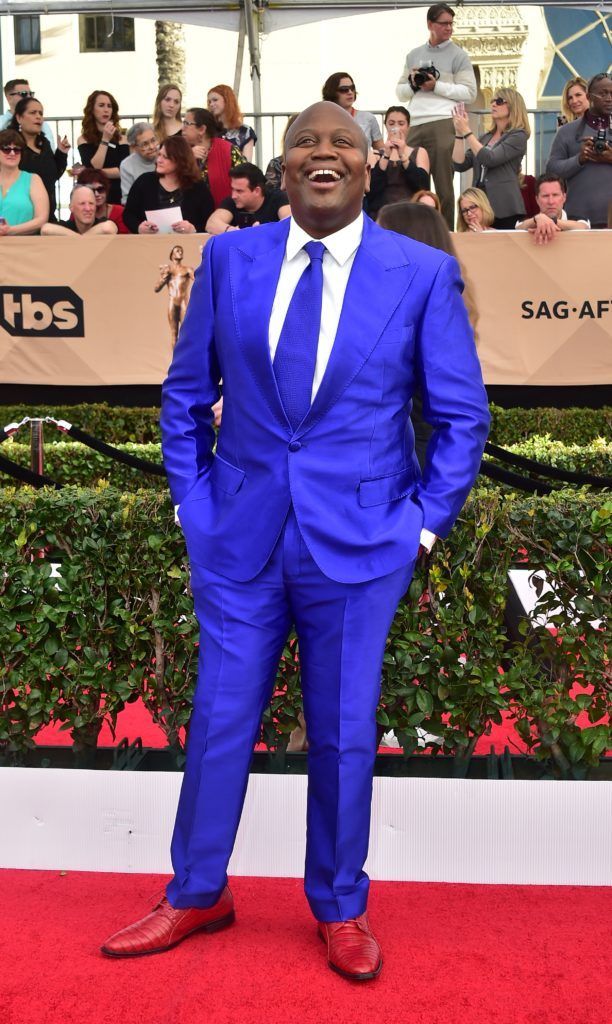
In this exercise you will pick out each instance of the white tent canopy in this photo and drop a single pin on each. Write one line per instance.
(250, 17)
(226, 13)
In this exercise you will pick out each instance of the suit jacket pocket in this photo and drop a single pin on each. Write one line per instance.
(226, 477)
(382, 489)
(396, 335)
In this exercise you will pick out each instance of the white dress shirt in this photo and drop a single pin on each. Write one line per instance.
(340, 249)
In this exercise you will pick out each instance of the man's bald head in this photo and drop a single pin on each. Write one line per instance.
(307, 114)
(325, 169)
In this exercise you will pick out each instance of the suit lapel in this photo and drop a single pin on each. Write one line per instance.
(254, 271)
(380, 276)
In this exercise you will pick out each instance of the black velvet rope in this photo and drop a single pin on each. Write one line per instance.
(487, 468)
(143, 465)
(523, 483)
(552, 472)
(27, 476)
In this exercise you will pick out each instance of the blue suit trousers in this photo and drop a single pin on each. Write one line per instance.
(342, 629)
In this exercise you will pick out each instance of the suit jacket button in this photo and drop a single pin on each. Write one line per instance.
(295, 446)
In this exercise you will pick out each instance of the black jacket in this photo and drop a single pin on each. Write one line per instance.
(48, 165)
(147, 193)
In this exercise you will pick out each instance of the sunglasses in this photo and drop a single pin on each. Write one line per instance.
(21, 92)
(347, 88)
(98, 189)
(498, 101)
(10, 149)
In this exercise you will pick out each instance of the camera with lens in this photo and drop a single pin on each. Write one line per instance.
(423, 74)
(600, 144)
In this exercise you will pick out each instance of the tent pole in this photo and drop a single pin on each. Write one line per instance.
(239, 53)
(252, 30)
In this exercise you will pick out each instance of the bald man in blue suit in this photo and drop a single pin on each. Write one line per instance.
(310, 513)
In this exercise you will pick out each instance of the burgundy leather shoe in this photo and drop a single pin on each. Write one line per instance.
(165, 927)
(352, 950)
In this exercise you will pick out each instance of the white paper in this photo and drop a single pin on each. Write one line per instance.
(165, 218)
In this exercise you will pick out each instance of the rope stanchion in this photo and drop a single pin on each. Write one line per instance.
(142, 465)
(552, 472)
(12, 428)
(487, 468)
(522, 483)
(27, 476)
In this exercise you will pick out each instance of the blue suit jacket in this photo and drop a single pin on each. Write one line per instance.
(349, 469)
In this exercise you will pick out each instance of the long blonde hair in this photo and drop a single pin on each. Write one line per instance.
(517, 111)
(565, 109)
(158, 118)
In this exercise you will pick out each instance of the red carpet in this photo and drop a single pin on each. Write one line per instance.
(135, 721)
(454, 954)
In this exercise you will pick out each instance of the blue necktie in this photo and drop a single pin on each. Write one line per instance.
(296, 352)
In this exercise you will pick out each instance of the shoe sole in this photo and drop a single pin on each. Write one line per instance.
(357, 977)
(212, 926)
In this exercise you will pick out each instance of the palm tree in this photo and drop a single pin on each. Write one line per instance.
(170, 52)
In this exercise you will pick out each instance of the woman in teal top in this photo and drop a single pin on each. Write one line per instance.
(24, 203)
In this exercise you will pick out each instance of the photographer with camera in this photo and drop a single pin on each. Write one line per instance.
(581, 153)
(436, 76)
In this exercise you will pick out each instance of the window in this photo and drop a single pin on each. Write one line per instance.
(27, 33)
(104, 32)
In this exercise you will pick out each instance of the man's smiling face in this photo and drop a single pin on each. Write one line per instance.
(325, 169)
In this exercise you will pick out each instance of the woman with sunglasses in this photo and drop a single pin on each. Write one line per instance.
(223, 105)
(102, 144)
(24, 204)
(496, 157)
(100, 186)
(37, 156)
(341, 89)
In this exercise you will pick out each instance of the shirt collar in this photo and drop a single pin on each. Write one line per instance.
(440, 46)
(341, 244)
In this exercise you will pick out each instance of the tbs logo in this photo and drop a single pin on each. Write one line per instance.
(41, 312)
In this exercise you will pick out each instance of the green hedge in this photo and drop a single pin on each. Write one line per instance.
(69, 462)
(118, 624)
(110, 423)
(117, 425)
(572, 426)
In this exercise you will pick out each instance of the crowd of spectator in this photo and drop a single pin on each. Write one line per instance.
(194, 170)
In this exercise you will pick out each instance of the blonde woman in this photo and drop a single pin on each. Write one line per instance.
(497, 155)
(474, 211)
(574, 99)
(167, 112)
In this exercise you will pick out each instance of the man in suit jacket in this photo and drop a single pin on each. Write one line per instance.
(307, 514)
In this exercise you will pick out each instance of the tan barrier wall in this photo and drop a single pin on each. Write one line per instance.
(80, 311)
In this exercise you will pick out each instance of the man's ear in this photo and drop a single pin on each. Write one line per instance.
(366, 188)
